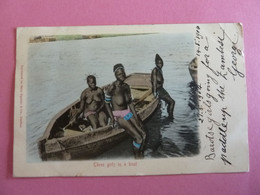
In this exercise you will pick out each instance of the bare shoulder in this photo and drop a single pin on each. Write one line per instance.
(99, 90)
(84, 93)
(154, 70)
(126, 86)
(110, 88)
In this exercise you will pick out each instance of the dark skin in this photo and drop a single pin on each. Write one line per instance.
(92, 100)
(157, 82)
(121, 100)
(157, 77)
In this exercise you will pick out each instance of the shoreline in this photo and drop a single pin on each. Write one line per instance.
(52, 38)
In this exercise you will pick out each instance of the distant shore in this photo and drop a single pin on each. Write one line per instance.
(40, 39)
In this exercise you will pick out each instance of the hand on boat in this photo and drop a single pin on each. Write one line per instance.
(112, 123)
(140, 123)
(155, 94)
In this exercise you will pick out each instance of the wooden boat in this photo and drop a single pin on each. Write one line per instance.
(193, 68)
(72, 143)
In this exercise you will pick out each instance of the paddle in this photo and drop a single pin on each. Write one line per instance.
(64, 128)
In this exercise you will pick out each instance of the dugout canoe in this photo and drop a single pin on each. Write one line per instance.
(193, 69)
(72, 143)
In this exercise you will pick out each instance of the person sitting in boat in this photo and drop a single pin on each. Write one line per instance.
(157, 86)
(121, 109)
(92, 104)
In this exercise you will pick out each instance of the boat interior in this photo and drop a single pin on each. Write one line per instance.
(142, 96)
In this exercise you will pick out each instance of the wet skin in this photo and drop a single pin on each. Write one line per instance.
(157, 82)
(157, 77)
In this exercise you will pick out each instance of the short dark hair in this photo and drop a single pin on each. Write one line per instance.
(91, 77)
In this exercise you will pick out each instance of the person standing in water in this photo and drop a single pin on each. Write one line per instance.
(92, 104)
(157, 86)
(121, 109)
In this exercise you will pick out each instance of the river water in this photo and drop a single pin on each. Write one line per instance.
(56, 78)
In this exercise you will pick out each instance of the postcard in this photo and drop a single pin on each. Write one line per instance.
(130, 100)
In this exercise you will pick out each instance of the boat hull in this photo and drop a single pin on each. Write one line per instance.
(86, 145)
(193, 69)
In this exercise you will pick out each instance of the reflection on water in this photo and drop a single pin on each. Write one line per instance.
(166, 137)
(56, 78)
(179, 137)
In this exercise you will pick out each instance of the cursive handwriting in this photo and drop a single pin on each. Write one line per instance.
(223, 135)
(234, 69)
(219, 58)
(198, 38)
(200, 99)
(222, 72)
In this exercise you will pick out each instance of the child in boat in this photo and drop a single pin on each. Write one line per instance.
(121, 109)
(92, 104)
(157, 86)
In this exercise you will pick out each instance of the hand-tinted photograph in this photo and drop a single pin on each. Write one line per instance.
(111, 97)
(130, 100)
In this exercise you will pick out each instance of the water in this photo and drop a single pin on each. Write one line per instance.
(56, 78)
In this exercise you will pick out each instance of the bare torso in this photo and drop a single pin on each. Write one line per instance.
(121, 96)
(157, 77)
(92, 99)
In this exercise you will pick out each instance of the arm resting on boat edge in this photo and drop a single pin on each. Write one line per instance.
(132, 107)
(107, 105)
(139, 121)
